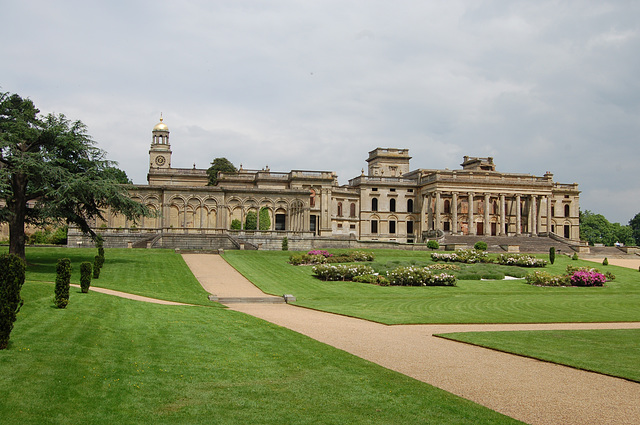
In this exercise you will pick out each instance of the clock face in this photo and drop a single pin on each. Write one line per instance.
(160, 160)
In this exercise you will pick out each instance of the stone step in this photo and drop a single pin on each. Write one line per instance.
(249, 300)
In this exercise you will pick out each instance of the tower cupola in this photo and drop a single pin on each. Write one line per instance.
(160, 152)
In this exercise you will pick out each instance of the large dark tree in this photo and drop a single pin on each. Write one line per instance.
(219, 165)
(52, 172)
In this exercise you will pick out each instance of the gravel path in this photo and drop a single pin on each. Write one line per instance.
(532, 391)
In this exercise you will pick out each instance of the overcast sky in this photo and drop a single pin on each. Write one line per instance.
(538, 85)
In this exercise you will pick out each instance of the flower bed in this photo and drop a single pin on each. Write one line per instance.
(575, 276)
(540, 278)
(325, 254)
(521, 260)
(469, 256)
(307, 259)
(419, 276)
(443, 267)
(587, 278)
(341, 271)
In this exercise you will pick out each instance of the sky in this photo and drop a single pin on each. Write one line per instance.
(315, 85)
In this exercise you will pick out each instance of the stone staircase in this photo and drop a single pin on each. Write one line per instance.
(533, 244)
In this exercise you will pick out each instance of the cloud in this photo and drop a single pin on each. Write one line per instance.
(297, 85)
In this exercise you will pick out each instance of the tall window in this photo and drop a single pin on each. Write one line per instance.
(567, 211)
(392, 227)
(410, 227)
(352, 210)
(392, 205)
(339, 209)
(447, 206)
(410, 205)
(374, 204)
(374, 226)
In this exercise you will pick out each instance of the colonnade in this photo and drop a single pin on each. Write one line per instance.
(434, 215)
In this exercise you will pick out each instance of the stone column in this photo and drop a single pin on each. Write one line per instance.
(429, 213)
(502, 231)
(534, 215)
(487, 225)
(518, 217)
(423, 215)
(539, 216)
(454, 212)
(549, 215)
(437, 212)
(472, 228)
(306, 220)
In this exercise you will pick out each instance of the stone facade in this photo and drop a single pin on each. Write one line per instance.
(388, 203)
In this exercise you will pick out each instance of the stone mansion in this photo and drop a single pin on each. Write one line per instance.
(388, 203)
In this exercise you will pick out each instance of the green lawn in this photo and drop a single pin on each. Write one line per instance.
(471, 301)
(109, 360)
(154, 273)
(612, 352)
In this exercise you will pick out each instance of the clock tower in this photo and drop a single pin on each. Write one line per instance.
(160, 152)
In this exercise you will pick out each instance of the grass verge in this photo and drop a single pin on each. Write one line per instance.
(109, 360)
(154, 273)
(614, 352)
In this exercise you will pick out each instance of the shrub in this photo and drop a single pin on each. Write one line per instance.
(469, 256)
(251, 221)
(521, 260)
(443, 267)
(265, 219)
(375, 279)
(587, 278)
(605, 262)
(11, 280)
(237, 225)
(85, 276)
(433, 244)
(361, 256)
(97, 265)
(59, 236)
(320, 252)
(340, 272)
(63, 278)
(575, 256)
(480, 246)
(300, 259)
(419, 276)
(285, 244)
(610, 276)
(575, 276)
(541, 278)
(552, 254)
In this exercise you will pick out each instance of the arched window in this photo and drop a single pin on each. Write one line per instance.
(374, 204)
(410, 205)
(567, 211)
(339, 209)
(352, 210)
(447, 206)
(392, 205)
